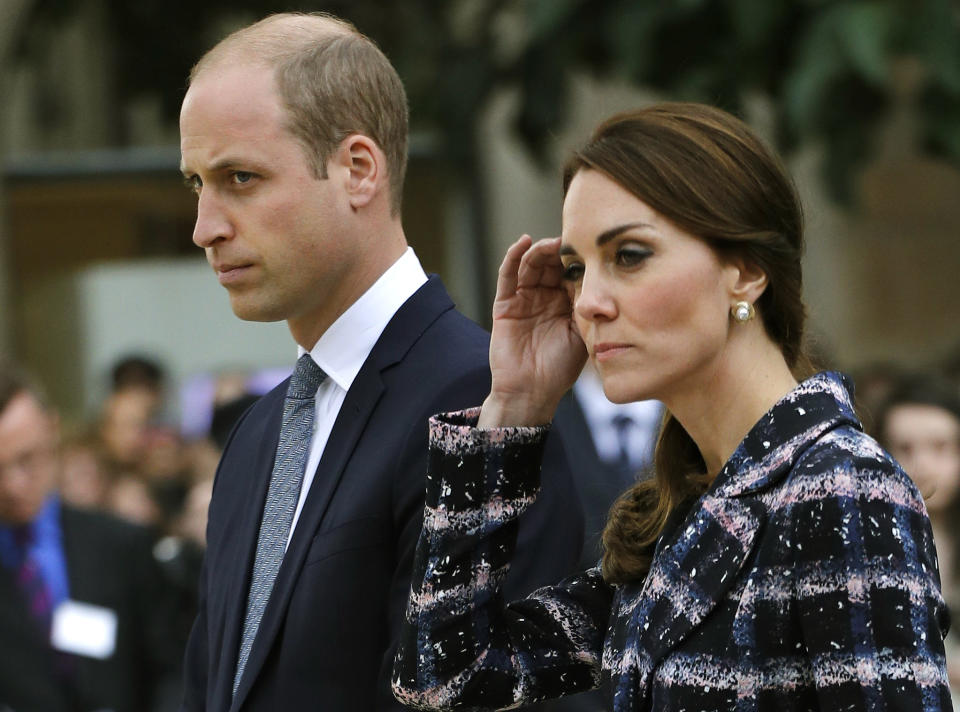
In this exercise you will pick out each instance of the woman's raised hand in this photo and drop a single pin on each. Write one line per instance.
(536, 352)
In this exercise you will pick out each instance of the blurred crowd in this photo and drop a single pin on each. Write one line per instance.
(134, 462)
(130, 462)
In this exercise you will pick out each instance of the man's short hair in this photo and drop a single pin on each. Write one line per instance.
(333, 82)
(135, 371)
(14, 381)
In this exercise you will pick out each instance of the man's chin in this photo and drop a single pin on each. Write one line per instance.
(248, 311)
(18, 518)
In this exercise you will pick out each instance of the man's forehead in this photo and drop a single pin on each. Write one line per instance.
(23, 411)
(228, 113)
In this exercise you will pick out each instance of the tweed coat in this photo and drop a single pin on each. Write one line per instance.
(805, 578)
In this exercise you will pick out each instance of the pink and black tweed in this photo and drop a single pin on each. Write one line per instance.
(804, 579)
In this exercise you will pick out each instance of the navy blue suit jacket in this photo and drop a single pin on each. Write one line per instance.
(327, 636)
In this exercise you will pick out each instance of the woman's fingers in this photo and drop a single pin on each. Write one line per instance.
(507, 277)
(540, 266)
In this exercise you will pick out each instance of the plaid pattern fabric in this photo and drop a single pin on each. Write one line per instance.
(804, 579)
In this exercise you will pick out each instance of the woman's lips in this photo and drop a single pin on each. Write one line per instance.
(607, 351)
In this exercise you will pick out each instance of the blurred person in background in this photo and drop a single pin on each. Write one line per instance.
(81, 601)
(294, 138)
(875, 382)
(130, 498)
(137, 372)
(920, 425)
(125, 422)
(84, 476)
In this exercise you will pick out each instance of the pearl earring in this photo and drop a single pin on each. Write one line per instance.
(743, 312)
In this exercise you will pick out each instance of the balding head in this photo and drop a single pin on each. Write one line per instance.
(28, 441)
(332, 81)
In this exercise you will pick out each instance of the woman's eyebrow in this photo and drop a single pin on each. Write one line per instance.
(607, 235)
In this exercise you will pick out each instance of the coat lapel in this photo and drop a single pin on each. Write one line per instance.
(252, 461)
(692, 571)
(695, 566)
(410, 321)
(354, 414)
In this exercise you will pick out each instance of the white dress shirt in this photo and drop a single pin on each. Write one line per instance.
(600, 413)
(345, 346)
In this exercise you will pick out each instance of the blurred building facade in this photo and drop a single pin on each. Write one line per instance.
(84, 224)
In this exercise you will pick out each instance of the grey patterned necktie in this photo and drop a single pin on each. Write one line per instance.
(296, 431)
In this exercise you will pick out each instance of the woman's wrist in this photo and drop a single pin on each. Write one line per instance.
(500, 411)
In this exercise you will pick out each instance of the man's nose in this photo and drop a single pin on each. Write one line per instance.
(213, 222)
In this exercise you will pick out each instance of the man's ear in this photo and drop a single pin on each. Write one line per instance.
(366, 165)
(747, 281)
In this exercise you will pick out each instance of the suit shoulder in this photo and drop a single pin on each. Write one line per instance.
(453, 343)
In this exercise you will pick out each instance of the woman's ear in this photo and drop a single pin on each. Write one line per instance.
(748, 281)
(366, 166)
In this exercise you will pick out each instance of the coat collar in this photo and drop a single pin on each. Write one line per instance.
(697, 561)
(821, 403)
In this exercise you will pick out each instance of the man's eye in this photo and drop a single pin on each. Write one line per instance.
(242, 177)
(572, 272)
(193, 183)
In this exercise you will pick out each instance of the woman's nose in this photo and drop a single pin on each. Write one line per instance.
(593, 301)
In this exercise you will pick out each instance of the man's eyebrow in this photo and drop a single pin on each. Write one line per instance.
(220, 165)
(607, 235)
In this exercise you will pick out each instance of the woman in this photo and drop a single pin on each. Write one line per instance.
(779, 559)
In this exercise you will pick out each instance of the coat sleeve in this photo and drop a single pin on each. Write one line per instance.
(865, 574)
(461, 646)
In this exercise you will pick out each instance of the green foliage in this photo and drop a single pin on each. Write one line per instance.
(825, 64)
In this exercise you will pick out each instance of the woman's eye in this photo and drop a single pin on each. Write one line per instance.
(572, 272)
(632, 256)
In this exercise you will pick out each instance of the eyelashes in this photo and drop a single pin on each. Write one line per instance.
(632, 256)
(572, 272)
(626, 257)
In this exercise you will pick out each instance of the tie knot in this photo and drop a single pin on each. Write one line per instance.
(622, 423)
(306, 378)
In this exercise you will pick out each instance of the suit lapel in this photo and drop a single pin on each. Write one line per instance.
(253, 460)
(692, 571)
(403, 330)
(354, 413)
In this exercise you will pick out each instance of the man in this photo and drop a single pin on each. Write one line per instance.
(80, 615)
(294, 138)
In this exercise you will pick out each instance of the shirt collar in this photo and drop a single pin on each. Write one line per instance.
(344, 347)
(773, 445)
(43, 529)
(599, 412)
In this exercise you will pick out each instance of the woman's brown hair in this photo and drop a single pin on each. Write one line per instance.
(704, 170)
